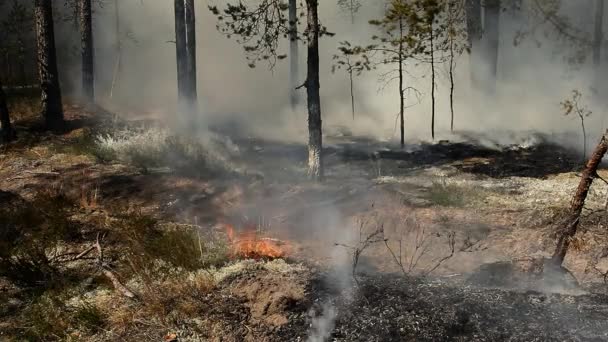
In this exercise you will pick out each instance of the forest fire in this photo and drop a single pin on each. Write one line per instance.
(250, 244)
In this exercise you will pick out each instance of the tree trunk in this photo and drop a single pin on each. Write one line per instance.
(293, 54)
(181, 53)
(51, 107)
(6, 129)
(401, 90)
(473, 22)
(315, 138)
(578, 201)
(117, 65)
(86, 39)
(191, 58)
(598, 35)
(432, 84)
(491, 34)
(451, 72)
(352, 94)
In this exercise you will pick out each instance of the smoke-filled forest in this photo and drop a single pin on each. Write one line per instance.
(312, 170)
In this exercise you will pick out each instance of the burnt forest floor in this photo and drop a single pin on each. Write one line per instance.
(117, 230)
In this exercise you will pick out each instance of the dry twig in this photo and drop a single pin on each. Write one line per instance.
(110, 275)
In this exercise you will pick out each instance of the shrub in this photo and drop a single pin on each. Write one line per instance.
(155, 147)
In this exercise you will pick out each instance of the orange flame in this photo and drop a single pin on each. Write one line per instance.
(249, 245)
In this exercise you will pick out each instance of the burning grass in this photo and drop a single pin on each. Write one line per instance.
(251, 244)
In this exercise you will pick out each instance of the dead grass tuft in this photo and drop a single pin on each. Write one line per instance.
(30, 234)
(447, 194)
(48, 318)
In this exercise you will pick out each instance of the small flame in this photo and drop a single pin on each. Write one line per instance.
(250, 245)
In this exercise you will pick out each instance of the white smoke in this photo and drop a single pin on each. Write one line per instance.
(323, 324)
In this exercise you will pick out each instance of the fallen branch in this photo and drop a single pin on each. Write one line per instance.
(77, 257)
(52, 173)
(117, 284)
(578, 201)
(109, 274)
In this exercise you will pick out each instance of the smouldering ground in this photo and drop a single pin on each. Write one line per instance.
(158, 205)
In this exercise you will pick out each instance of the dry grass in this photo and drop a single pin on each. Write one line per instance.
(162, 262)
(24, 107)
(446, 194)
(31, 234)
(154, 147)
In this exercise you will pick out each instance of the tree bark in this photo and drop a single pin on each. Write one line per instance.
(293, 54)
(432, 83)
(401, 90)
(181, 53)
(315, 138)
(598, 35)
(51, 107)
(473, 22)
(352, 94)
(451, 72)
(118, 37)
(86, 39)
(578, 201)
(491, 34)
(191, 87)
(6, 129)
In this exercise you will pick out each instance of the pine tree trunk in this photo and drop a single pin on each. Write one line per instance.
(473, 22)
(181, 54)
(578, 201)
(86, 39)
(473, 19)
(432, 83)
(401, 90)
(191, 87)
(598, 35)
(51, 107)
(315, 138)
(352, 94)
(6, 129)
(118, 37)
(491, 33)
(293, 54)
(452, 85)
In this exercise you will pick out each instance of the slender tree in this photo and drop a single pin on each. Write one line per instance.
(456, 41)
(351, 6)
(353, 60)
(86, 39)
(191, 89)
(474, 29)
(491, 38)
(181, 53)
(293, 54)
(118, 48)
(260, 29)
(52, 108)
(598, 35)
(6, 129)
(398, 41)
(427, 12)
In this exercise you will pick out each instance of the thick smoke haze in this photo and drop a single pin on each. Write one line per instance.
(534, 76)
